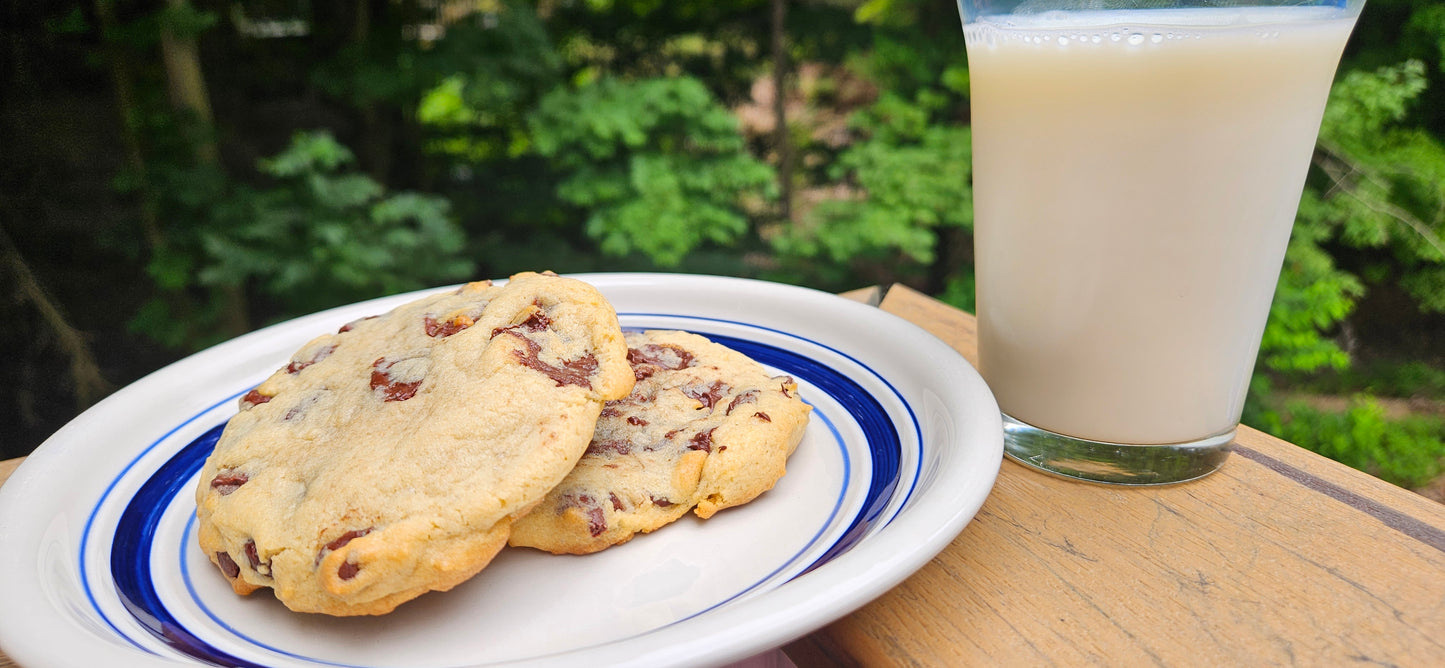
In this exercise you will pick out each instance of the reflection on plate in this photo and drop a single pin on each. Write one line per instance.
(99, 562)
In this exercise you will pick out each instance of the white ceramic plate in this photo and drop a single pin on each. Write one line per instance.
(99, 564)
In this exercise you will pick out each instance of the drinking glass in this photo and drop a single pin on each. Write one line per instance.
(1137, 168)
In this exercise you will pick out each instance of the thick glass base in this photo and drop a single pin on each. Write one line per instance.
(1114, 463)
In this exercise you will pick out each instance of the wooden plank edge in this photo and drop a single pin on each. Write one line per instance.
(6, 468)
(871, 295)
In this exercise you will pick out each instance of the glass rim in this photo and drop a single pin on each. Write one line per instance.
(972, 10)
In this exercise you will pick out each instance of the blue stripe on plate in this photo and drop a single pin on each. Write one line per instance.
(132, 544)
(912, 417)
(130, 552)
(883, 443)
(90, 521)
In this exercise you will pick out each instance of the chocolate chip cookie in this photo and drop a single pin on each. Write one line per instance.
(392, 457)
(705, 428)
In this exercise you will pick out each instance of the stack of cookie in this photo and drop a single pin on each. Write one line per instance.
(400, 454)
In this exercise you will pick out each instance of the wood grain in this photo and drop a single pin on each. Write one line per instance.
(1281, 557)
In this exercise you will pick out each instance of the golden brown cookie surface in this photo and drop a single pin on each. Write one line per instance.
(390, 459)
(705, 428)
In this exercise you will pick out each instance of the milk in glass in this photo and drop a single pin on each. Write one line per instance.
(1135, 182)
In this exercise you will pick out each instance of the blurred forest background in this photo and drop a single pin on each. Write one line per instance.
(178, 172)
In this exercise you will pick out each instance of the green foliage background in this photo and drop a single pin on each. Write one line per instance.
(388, 146)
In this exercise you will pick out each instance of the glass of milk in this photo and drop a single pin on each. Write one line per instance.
(1137, 167)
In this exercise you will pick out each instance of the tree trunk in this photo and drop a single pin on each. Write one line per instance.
(129, 108)
(376, 127)
(187, 88)
(781, 139)
(90, 385)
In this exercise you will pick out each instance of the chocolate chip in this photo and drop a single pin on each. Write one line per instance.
(701, 441)
(347, 537)
(615, 446)
(347, 570)
(228, 481)
(662, 355)
(762, 416)
(262, 567)
(616, 502)
(228, 565)
(596, 519)
(536, 322)
(572, 372)
(297, 365)
(653, 357)
(254, 398)
(446, 327)
(340, 542)
(660, 502)
(709, 395)
(578, 371)
(636, 421)
(748, 397)
(391, 389)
